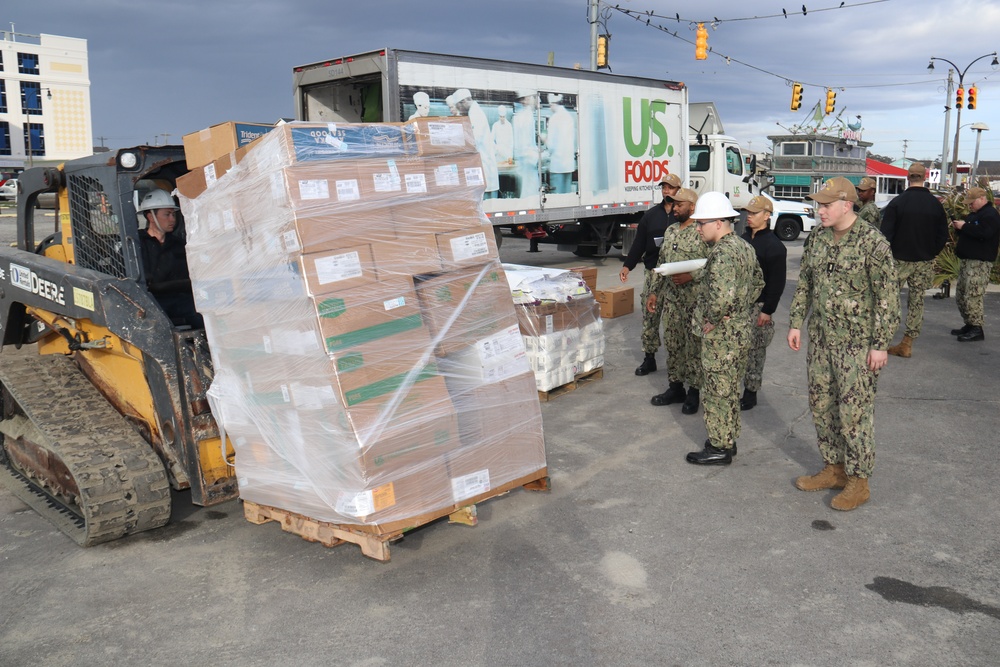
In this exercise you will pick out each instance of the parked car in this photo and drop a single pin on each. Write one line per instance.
(8, 191)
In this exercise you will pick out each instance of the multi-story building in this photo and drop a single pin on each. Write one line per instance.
(801, 163)
(44, 100)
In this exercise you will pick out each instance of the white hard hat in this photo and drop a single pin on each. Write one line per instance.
(157, 199)
(713, 206)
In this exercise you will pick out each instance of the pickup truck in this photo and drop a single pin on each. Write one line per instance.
(790, 218)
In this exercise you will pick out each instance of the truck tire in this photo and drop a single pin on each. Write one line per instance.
(787, 228)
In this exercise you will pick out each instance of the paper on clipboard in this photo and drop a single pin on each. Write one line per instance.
(673, 268)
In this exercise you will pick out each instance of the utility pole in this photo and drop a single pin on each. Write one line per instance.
(947, 126)
(593, 34)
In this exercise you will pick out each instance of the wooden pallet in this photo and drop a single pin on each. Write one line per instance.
(374, 540)
(580, 380)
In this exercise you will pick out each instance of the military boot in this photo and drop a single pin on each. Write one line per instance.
(855, 494)
(647, 366)
(692, 402)
(830, 477)
(973, 334)
(904, 349)
(964, 330)
(749, 400)
(673, 394)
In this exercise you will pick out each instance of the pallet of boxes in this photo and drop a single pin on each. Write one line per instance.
(561, 325)
(369, 369)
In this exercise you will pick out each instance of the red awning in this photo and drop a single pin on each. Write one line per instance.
(876, 168)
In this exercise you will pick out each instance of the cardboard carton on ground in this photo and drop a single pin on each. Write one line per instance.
(616, 301)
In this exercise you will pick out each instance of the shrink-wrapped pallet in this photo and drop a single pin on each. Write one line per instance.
(368, 360)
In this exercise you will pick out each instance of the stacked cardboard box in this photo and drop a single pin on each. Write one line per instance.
(560, 323)
(366, 348)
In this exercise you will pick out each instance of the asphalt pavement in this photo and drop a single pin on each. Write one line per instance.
(634, 556)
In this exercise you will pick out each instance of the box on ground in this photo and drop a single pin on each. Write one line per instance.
(616, 301)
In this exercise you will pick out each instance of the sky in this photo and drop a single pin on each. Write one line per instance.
(162, 70)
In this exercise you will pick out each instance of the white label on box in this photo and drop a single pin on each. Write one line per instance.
(338, 267)
(500, 346)
(210, 176)
(358, 504)
(315, 189)
(267, 344)
(416, 183)
(291, 242)
(446, 176)
(393, 304)
(312, 397)
(446, 134)
(470, 485)
(386, 182)
(469, 247)
(285, 395)
(548, 324)
(474, 176)
(228, 220)
(348, 190)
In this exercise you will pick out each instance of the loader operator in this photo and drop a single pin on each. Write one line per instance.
(165, 261)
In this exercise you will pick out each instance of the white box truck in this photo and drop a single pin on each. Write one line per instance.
(570, 156)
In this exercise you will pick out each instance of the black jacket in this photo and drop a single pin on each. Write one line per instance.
(771, 255)
(979, 237)
(652, 225)
(916, 225)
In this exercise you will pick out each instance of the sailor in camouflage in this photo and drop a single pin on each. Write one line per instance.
(977, 247)
(869, 210)
(847, 289)
(678, 294)
(731, 281)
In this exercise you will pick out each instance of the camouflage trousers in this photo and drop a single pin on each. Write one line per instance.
(918, 277)
(973, 277)
(682, 346)
(723, 360)
(760, 338)
(842, 399)
(650, 321)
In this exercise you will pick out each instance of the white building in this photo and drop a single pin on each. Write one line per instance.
(44, 100)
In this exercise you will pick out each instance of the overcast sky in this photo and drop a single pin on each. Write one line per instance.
(171, 68)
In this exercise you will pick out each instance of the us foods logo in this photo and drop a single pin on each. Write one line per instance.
(646, 139)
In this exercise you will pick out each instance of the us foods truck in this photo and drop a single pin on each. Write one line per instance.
(570, 156)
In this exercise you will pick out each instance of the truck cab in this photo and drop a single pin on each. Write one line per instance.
(715, 164)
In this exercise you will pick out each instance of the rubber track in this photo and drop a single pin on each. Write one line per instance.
(123, 485)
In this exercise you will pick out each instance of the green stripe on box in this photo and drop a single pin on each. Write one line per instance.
(387, 386)
(358, 336)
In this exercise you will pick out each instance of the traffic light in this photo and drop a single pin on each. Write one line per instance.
(973, 92)
(602, 51)
(796, 96)
(959, 94)
(701, 43)
(831, 101)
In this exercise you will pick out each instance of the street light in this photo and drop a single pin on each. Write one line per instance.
(979, 128)
(27, 128)
(961, 86)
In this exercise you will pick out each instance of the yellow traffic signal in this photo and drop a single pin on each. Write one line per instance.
(831, 101)
(796, 96)
(701, 43)
(959, 94)
(973, 92)
(602, 51)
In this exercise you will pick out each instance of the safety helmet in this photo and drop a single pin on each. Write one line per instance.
(157, 199)
(713, 206)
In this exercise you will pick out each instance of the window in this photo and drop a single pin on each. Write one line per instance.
(4, 138)
(27, 63)
(3, 96)
(797, 192)
(825, 148)
(699, 158)
(734, 161)
(795, 148)
(1, 61)
(35, 146)
(31, 98)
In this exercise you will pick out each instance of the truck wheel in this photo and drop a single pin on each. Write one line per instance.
(787, 229)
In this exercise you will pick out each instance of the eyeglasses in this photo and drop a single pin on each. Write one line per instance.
(702, 223)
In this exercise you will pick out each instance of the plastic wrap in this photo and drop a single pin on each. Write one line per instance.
(368, 363)
(560, 322)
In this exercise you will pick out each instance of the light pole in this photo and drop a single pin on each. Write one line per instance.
(961, 86)
(27, 128)
(979, 128)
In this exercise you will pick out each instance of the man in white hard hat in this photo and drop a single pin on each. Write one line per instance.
(730, 283)
(847, 289)
(164, 259)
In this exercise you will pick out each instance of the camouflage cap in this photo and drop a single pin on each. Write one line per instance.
(973, 194)
(866, 184)
(673, 180)
(686, 194)
(760, 203)
(836, 189)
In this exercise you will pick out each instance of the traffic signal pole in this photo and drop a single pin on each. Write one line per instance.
(947, 126)
(593, 35)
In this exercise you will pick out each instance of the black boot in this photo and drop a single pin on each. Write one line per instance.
(749, 400)
(963, 330)
(973, 334)
(692, 402)
(647, 366)
(711, 456)
(673, 394)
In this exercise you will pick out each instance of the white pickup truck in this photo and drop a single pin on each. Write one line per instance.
(790, 218)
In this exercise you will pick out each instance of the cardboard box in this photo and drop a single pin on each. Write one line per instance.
(437, 135)
(205, 146)
(411, 444)
(327, 229)
(351, 317)
(472, 246)
(475, 470)
(338, 269)
(406, 495)
(308, 142)
(409, 255)
(589, 275)
(548, 318)
(616, 301)
(437, 214)
(445, 301)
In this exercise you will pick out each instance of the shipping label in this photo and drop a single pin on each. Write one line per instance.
(338, 267)
(314, 189)
(470, 485)
(469, 247)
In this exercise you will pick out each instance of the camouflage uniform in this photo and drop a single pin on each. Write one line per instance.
(678, 301)
(848, 291)
(760, 338)
(650, 320)
(919, 277)
(973, 278)
(870, 214)
(731, 282)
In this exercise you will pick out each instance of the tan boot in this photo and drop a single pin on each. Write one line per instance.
(830, 477)
(855, 494)
(904, 349)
